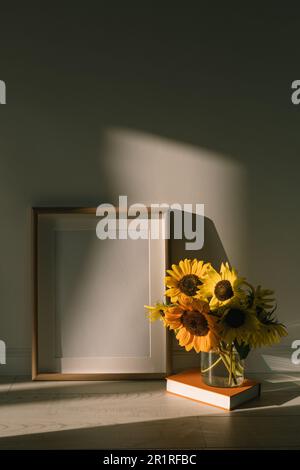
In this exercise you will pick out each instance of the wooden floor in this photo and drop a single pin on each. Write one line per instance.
(107, 415)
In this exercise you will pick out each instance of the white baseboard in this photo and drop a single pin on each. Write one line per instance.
(275, 359)
(267, 360)
(264, 360)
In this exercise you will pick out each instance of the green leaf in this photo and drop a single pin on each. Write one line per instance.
(243, 349)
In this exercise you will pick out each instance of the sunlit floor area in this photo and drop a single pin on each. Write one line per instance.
(107, 415)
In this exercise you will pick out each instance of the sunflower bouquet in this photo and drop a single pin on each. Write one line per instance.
(218, 313)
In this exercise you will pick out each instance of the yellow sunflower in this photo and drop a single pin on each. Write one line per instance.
(223, 288)
(193, 324)
(268, 334)
(238, 324)
(156, 312)
(185, 279)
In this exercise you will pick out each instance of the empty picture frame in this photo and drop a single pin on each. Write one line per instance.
(89, 320)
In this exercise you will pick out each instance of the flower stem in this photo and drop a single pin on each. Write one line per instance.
(230, 368)
(213, 365)
(228, 364)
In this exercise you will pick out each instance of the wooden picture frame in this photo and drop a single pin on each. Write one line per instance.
(42, 217)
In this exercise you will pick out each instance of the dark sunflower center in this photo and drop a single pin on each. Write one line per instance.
(188, 284)
(235, 318)
(223, 290)
(195, 323)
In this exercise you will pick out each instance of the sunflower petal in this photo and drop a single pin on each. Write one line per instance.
(187, 264)
(182, 267)
(173, 274)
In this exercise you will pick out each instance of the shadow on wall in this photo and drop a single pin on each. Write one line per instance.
(212, 251)
(152, 169)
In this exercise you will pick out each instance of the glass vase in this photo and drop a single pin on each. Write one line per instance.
(222, 369)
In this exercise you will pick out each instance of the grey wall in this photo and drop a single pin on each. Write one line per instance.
(187, 104)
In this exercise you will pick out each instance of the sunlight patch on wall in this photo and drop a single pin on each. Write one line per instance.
(151, 169)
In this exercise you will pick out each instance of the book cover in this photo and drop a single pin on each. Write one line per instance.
(190, 384)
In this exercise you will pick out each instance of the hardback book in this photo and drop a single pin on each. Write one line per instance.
(189, 384)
